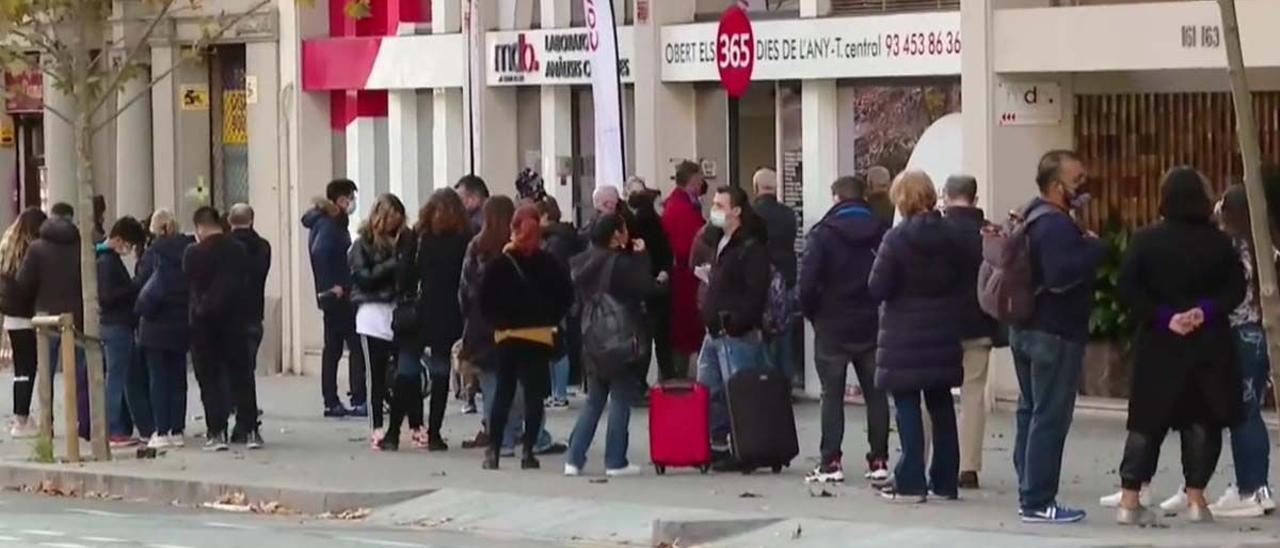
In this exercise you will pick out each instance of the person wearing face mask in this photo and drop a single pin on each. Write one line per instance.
(647, 225)
(682, 221)
(733, 311)
(328, 242)
(128, 398)
(1048, 350)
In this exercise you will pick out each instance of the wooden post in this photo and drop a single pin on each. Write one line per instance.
(44, 387)
(67, 358)
(1247, 129)
(97, 400)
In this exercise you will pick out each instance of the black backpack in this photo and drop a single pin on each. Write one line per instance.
(611, 336)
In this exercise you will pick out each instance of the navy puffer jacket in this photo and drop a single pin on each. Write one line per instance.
(168, 328)
(918, 276)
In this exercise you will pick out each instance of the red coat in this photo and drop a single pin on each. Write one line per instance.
(681, 221)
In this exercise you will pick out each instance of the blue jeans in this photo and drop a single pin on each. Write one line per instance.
(719, 359)
(1048, 369)
(618, 394)
(1250, 446)
(128, 398)
(908, 474)
(82, 383)
(515, 417)
(168, 370)
(560, 378)
(778, 351)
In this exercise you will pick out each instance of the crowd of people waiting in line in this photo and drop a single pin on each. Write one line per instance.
(489, 294)
(161, 295)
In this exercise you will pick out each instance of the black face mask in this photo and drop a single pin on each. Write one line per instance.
(702, 190)
(639, 202)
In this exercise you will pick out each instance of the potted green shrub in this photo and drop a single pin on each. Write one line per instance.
(1107, 360)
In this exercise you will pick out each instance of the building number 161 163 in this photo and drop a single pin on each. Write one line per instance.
(1201, 36)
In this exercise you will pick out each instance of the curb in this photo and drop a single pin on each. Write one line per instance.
(191, 492)
(695, 532)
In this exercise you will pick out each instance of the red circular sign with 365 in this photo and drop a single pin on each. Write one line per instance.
(735, 51)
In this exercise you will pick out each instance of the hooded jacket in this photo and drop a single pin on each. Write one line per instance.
(918, 274)
(51, 270)
(259, 250)
(967, 223)
(327, 243)
(168, 329)
(116, 293)
(837, 261)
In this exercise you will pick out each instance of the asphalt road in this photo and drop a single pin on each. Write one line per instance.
(49, 522)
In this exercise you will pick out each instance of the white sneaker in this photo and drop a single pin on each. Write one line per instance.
(1264, 498)
(1231, 505)
(1113, 500)
(177, 440)
(158, 442)
(23, 429)
(630, 470)
(571, 470)
(1174, 505)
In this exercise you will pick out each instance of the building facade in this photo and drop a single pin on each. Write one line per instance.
(420, 92)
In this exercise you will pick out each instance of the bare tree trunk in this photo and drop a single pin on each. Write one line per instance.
(1247, 129)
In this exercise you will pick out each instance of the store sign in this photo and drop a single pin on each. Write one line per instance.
(24, 91)
(735, 51)
(926, 44)
(549, 57)
(1029, 104)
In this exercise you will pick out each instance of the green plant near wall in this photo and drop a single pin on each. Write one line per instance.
(1110, 319)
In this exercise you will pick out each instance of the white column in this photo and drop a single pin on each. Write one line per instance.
(402, 127)
(59, 146)
(497, 154)
(362, 161)
(133, 146)
(163, 132)
(977, 88)
(819, 133)
(556, 106)
(266, 193)
(815, 8)
(448, 118)
(666, 114)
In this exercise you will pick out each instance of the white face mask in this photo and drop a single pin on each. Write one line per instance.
(351, 207)
(719, 218)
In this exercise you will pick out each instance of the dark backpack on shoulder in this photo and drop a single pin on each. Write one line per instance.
(611, 337)
(1006, 288)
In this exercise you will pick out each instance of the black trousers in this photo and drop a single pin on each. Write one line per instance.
(1201, 446)
(340, 331)
(224, 371)
(23, 343)
(381, 356)
(526, 364)
(659, 314)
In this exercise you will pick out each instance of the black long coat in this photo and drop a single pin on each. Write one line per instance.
(1171, 267)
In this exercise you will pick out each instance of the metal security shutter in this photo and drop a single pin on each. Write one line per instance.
(852, 7)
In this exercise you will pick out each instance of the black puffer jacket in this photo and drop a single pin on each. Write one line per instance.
(51, 270)
(168, 328)
(373, 269)
(918, 275)
(433, 272)
(739, 288)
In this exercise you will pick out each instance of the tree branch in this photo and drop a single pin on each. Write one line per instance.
(131, 58)
(200, 44)
(61, 116)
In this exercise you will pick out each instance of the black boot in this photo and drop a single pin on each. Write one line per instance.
(529, 462)
(490, 459)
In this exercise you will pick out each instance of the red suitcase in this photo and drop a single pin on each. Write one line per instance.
(678, 431)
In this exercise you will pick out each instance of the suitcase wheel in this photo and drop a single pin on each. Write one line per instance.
(777, 468)
(704, 468)
(660, 469)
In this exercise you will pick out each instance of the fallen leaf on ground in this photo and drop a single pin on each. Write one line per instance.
(749, 495)
(822, 494)
(348, 514)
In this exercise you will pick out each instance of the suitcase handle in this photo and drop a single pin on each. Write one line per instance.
(678, 385)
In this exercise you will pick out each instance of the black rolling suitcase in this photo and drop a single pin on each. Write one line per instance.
(763, 422)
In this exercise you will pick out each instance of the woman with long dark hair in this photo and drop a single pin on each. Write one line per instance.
(477, 335)
(18, 308)
(432, 273)
(524, 294)
(1181, 279)
(1250, 444)
(374, 260)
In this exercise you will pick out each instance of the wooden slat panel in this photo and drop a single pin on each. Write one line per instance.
(1130, 140)
(851, 7)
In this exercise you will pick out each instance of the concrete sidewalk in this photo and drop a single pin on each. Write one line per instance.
(314, 464)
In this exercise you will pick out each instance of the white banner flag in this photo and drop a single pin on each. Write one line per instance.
(475, 84)
(606, 92)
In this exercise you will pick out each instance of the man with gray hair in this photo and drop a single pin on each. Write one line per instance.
(780, 226)
(960, 197)
(880, 179)
(240, 217)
